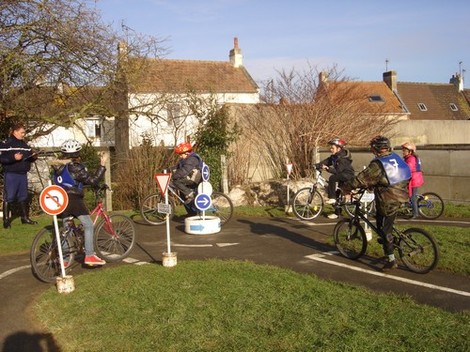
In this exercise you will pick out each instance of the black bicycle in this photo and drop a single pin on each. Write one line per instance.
(417, 249)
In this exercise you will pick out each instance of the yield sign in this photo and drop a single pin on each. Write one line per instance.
(163, 180)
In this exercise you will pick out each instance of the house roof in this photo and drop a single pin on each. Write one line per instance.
(437, 100)
(372, 97)
(182, 76)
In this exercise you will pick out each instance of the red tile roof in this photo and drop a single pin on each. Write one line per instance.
(182, 76)
(437, 99)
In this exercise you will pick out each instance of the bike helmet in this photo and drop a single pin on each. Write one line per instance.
(410, 146)
(183, 148)
(338, 142)
(380, 143)
(71, 146)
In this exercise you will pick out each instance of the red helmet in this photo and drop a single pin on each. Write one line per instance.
(183, 148)
(338, 142)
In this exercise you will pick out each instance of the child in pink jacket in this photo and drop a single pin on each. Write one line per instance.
(417, 180)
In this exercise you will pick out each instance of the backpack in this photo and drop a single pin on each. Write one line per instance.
(63, 178)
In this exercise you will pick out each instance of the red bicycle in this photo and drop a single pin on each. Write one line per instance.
(114, 239)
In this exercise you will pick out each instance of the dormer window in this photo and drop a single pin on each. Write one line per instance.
(422, 107)
(93, 127)
(453, 107)
(375, 99)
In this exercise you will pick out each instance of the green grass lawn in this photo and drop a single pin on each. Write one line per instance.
(224, 306)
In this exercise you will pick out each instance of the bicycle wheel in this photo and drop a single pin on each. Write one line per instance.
(115, 239)
(221, 207)
(307, 205)
(149, 209)
(44, 255)
(430, 205)
(418, 250)
(350, 239)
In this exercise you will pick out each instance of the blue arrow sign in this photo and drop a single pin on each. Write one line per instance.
(202, 201)
(196, 227)
(205, 172)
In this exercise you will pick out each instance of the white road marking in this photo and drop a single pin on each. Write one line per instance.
(12, 271)
(320, 258)
(191, 245)
(226, 244)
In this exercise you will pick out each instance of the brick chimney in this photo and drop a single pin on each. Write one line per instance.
(236, 57)
(457, 80)
(390, 78)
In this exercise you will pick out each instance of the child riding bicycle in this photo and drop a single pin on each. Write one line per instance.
(388, 175)
(72, 176)
(339, 165)
(186, 175)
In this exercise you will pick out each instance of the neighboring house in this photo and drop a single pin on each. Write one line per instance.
(159, 99)
(155, 101)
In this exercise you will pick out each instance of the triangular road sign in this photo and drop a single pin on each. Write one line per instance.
(163, 180)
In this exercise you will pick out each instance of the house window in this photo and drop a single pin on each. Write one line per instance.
(93, 128)
(422, 107)
(453, 107)
(375, 99)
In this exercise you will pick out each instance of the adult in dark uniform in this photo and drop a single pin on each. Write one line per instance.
(16, 157)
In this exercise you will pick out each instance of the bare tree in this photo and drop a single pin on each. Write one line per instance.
(59, 63)
(302, 111)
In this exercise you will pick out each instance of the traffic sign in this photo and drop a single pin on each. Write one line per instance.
(205, 172)
(163, 180)
(202, 201)
(53, 200)
(205, 187)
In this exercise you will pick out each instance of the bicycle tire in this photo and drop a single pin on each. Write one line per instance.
(221, 206)
(44, 255)
(418, 250)
(430, 205)
(149, 210)
(350, 239)
(307, 205)
(116, 243)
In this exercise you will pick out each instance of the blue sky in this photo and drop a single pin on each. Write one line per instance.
(424, 40)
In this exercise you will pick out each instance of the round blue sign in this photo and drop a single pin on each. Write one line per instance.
(202, 201)
(205, 172)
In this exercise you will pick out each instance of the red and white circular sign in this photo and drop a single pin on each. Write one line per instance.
(53, 200)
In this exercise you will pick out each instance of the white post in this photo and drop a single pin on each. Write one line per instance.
(167, 221)
(223, 164)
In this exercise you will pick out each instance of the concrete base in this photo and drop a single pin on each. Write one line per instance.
(169, 259)
(65, 284)
(195, 225)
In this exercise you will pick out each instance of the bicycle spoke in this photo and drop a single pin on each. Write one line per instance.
(114, 240)
(307, 205)
(350, 239)
(418, 250)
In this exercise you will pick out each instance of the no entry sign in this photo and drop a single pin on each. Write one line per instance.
(53, 200)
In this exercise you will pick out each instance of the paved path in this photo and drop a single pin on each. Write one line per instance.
(288, 243)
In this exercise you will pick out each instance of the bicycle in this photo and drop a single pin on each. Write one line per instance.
(417, 249)
(308, 202)
(430, 206)
(114, 239)
(221, 206)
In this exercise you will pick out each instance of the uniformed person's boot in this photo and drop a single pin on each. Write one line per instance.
(6, 216)
(25, 218)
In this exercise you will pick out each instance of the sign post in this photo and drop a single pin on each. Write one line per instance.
(169, 258)
(288, 208)
(53, 201)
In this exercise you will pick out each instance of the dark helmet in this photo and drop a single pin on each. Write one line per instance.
(338, 142)
(379, 143)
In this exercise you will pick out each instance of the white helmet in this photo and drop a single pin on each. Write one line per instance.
(71, 146)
